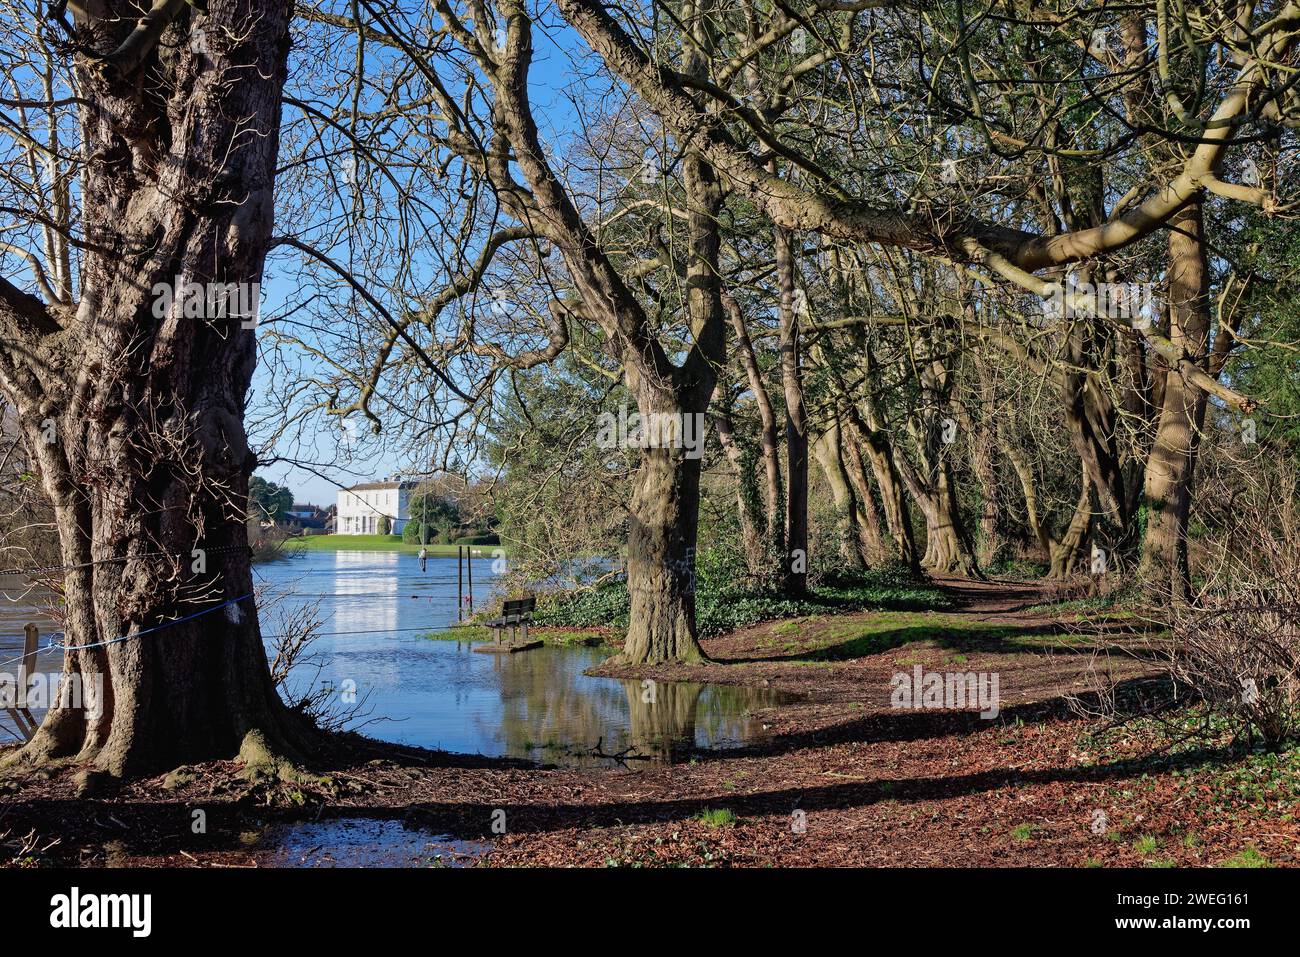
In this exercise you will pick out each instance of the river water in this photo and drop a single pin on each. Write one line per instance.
(376, 609)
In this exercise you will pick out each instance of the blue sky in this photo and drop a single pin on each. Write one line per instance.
(551, 73)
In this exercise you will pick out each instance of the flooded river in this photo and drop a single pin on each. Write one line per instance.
(376, 609)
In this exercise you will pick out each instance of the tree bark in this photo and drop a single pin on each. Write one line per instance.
(749, 509)
(1167, 489)
(664, 517)
(149, 461)
(873, 539)
(763, 564)
(1062, 553)
(983, 444)
(848, 521)
(897, 515)
(663, 514)
(947, 545)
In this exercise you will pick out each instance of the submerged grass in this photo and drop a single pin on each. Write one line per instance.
(560, 637)
(382, 543)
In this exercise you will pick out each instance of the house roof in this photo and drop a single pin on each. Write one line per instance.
(379, 486)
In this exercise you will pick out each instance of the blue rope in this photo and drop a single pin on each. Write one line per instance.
(55, 646)
(166, 624)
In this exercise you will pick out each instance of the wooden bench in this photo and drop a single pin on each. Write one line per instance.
(22, 717)
(516, 614)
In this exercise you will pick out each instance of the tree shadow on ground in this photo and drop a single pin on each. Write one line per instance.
(151, 828)
(1001, 639)
(144, 829)
(1135, 696)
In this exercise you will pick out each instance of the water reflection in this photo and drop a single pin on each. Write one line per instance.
(359, 842)
(20, 604)
(377, 607)
(551, 711)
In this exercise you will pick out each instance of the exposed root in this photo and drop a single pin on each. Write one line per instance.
(268, 765)
(20, 763)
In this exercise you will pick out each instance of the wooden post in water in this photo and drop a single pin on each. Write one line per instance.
(21, 716)
(460, 601)
(469, 568)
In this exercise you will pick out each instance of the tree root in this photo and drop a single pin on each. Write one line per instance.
(623, 660)
(265, 764)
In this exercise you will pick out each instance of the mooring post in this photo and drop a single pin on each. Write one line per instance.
(469, 568)
(460, 588)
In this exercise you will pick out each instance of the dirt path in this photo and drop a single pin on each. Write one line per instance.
(840, 777)
(1000, 600)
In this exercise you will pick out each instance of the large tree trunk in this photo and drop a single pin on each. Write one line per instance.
(947, 545)
(148, 473)
(663, 521)
(663, 514)
(665, 509)
(1168, 486)
(848, 521)
(1064, 555)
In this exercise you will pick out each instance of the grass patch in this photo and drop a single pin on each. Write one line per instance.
(1247, 857)
(380, 543)
(1146, 845)
(717, 817)
(560, 637)
(463, 633)
(1022, 832)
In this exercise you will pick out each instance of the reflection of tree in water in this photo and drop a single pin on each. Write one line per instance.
(550, 711)
(662, 716)
(549, 707)
(724, 714)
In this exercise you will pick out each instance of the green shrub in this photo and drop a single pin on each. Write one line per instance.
(411, 533)
(479, 538)
(722, 605)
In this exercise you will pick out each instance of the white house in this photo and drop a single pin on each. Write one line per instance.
(362, 507)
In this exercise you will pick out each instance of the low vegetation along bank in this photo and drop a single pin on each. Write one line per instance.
(600, 615)
(385, 543)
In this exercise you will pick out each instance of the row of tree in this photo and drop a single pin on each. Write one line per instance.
(861, 234)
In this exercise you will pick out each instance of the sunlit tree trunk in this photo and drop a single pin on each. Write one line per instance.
(1167, 490)
(848, 518)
